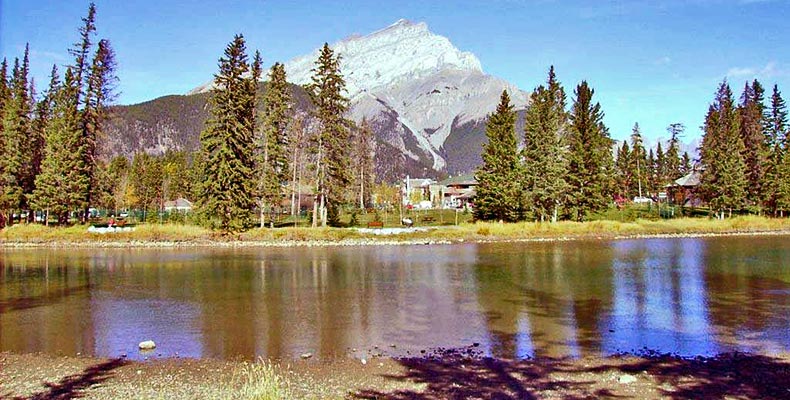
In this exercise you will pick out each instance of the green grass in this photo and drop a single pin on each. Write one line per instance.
(480, 231)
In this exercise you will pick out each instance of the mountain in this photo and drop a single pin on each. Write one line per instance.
(426, 100)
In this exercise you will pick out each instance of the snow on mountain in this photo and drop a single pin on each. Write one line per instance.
(415, 83)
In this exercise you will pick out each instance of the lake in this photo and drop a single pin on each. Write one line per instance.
(690, 296)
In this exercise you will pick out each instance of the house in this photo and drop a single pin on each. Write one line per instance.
(180, 204)
(459, 191)
(684, 191)
(415, 191)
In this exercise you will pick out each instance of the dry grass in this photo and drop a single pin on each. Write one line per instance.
(258, 381)
(480, 231)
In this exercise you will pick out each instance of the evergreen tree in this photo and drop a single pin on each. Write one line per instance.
(590, 156)
(52, 193)
(779, 174)
(775, 139)
(498, 191)
(331, 148)
(755, 151)
(673, 159)
(544, 154)
(638, 164)
(623, 172)
(16, 129)
(651, 173)
(273, 161)
(227, 142)
(724, 179)
(660, 169)
(685, 164)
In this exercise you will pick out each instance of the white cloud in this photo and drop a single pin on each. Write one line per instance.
(770, 70)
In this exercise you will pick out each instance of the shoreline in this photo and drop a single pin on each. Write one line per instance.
(370, 240)
(452, 373)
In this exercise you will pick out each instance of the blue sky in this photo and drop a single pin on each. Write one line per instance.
(650, 61)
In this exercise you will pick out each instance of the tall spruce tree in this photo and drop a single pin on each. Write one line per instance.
(498, 190)
(638, 163)
(724, 179)
(227, 142)
(17, 113)
(673, 158)
(623, 173)
(52, 192)
(272, 163)
(774, 132)
(544, 153)
(780, 156)
(590, 166)
(333, 174)
(755, 150)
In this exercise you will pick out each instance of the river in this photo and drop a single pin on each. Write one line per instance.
(689, 296)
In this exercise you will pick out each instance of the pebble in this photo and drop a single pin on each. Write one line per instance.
(626, 379)
(147, 345)
(305, 356)
(363, 361)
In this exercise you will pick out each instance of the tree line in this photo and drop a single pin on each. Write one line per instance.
(254, 156)
(49, 157)
(567, 169)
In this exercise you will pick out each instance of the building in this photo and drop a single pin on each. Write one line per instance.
(685, 190)
(459, 191)
(416, 192)
(180, 204)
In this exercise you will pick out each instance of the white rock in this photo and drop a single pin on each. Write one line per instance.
(147, 345)
(305, 356)
(626, 379)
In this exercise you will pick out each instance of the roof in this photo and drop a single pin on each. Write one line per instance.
(468, 180)
(690, 180)
(178, 203)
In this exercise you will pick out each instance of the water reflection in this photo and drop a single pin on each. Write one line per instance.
(688, 296)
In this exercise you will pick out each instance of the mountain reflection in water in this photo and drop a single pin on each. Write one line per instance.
(692, 296)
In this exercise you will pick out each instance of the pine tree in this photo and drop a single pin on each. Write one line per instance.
(590, 164)
(16, 129)
(673, 158)
(651, 173)
(638, 164)
(332, 159)
(52, 193)
(227, 142)
(498, 191)
(623, 172)
(272, 166)
(661, 169)
(544, 154)
(779, 175)
(685, 164)
(724, 179)
(755, 151)
(775, 139)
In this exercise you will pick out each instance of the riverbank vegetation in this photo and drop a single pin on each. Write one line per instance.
(180, 235)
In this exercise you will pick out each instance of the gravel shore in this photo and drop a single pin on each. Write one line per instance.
(442, 374)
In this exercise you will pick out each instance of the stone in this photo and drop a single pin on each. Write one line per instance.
(626, 379)
(305, 356)
(147, 345)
